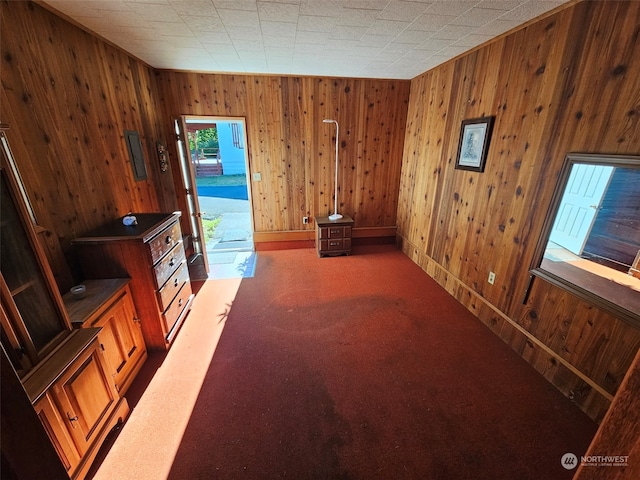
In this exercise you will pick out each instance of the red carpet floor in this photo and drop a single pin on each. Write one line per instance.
(356, 367)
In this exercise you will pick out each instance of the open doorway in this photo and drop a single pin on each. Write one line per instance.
(217, 158)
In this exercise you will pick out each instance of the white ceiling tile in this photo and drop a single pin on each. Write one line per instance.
(476, 17)
(218, 38)
(326, 8)
(239, 18)
(430, 23)
(379, 38)
(504, 5)
(159, 13)
(412, 36)
(171, 28)
(206, 24)
(312, 38)
(451, 32)
(312, 23)
(248, 34)
(357, 18)
(247, 5)
(448, 7)
(368, 4)
(184, 42)
(376, 40)
(279, 28)
(402, 10)
(194, 7)
(433, 44)
(278, 12)
(387, 27)
(348, 33)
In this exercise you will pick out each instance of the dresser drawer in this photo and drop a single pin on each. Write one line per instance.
(170, 316)
(164, 242)
(173, 285)
(335, 244)
(168, 264)
(335, 232)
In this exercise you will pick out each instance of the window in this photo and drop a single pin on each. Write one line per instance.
(590, 244)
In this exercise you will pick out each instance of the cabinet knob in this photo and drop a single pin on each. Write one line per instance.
(72, 418)
(136, 319)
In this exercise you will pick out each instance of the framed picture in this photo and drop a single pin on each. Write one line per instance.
(475, 135)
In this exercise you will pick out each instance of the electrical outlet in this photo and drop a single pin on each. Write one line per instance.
(492, 278)
(305, 220)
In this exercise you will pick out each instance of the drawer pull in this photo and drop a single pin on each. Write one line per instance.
(172, 262)
(180, 302)
(175, 282)
(334, 244)
(336, 230)
(72, 419)
(168, 239)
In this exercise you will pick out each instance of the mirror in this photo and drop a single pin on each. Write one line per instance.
(590, 243)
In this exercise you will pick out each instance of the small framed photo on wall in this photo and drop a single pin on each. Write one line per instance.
(475, 135)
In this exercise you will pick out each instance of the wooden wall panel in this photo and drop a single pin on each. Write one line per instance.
(566, 83)
(293, 150)
(68, 97)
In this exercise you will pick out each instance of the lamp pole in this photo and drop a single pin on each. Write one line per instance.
(335, 215)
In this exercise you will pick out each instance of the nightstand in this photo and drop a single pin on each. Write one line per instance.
(333, 237)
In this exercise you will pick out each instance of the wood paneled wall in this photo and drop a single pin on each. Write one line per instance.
(567, 83)
(294, 151)
(68, 97)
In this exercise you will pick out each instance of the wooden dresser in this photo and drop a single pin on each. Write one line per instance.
(333, 237)
(151, 253)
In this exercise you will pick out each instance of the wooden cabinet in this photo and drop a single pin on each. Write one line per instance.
(33, 318)
(333, 237)
(62, 371)
(151, 253)
(76, 400)
(108, 304)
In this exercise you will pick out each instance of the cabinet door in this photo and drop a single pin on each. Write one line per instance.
(86, 396)
(59, 435)
(34, 321)
(120, 338)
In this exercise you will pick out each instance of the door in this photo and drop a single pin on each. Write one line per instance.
(191, 194)
(579, 206)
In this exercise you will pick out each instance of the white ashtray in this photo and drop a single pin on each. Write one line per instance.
(78, 292)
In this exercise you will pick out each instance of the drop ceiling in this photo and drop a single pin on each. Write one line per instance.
(395, 39)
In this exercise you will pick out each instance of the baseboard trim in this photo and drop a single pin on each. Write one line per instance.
(306, 238)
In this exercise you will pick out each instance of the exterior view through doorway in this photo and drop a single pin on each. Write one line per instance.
(217, 158)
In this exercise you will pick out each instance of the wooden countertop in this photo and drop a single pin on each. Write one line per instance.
(99, 292)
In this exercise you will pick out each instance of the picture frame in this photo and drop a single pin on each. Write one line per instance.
(475, 136)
